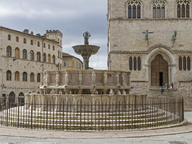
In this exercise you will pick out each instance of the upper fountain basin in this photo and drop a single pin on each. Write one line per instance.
(86, 49)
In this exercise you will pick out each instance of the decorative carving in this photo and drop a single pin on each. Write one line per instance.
(86, 36)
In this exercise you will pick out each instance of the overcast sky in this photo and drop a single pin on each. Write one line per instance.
(71, 17)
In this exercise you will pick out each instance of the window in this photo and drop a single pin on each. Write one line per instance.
(65, 63)
(188, 63)
(135, 63)
(17, 76)
(24, 76)
(183, 8)
(180, 63)
(9, 51)
(184, 63)
(53, 59)
(38, 56)
(73, 63)
(31, 55)
(134, 9)
(24, 41)
(31, 42)
(24, 54)
(53, 47)
(38, 44)
(17, 53)
(48, 46)
(49, 58)
(130, 63)
(9, 37)
(44, 45)
(32, 77)
(17, 39)
(8, 75)
(58, 54)
(38, 77)
(44, 57)
(159, 9)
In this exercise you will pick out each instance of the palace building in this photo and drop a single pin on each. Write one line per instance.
(23, 58)
(152, 39)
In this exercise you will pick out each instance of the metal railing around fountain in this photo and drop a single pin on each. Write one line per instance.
(93, 116)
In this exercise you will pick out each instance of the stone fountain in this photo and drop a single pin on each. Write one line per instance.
(86, 50)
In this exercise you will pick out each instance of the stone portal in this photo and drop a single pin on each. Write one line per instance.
(159, 71)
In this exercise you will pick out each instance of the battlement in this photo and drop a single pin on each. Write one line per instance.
(54, 32)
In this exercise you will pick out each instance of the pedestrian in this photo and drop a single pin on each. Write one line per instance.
(172, 85)
(161, 89)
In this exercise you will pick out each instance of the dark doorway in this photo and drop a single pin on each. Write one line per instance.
(161, 78)
(159, 71)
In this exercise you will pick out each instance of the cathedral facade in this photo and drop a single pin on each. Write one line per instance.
(152, 39)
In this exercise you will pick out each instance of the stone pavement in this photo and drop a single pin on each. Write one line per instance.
(175, 135)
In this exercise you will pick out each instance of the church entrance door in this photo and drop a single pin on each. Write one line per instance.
(159, 71)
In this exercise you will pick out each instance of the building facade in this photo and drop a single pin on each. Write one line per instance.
(23, 58)
(71, 62)
(152, 39)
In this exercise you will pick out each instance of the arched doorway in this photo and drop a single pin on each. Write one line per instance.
(159, 71)
(21, 99)
(11, 99)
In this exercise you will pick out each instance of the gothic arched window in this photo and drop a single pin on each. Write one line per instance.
(17, 53)
(134, 9)
(24, 54)
(53, 59)
(17, 76)
(9, 51)
(158, 8)
(38, 56)
(38, 77)
(49, 58)
(24, 41)
(8, 75)
(44, 57)
(31, 55)
(135, 63)
(183, 8)
(32, 77)
(24, 76)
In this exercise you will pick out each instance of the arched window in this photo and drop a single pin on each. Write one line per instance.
(38, 56)
(184, 63)
(135, 63)
(21, 99)
(8, 75)
(24, 41)
(17, 39)
(38, 44)
(53, 59)
(130, 63)
(32, 77)
(183, 8)
(9, 51)
(38, 77)
(159, 9)
(180, 63)
(134, 9)
(188, 63)
(31, 55)
(48, 46)
(24, 76)
(44, 57)
(49, 58)
(139, 63)
(17, 76)
(11, 99)
(9, 37)
(31, 42)
(53, 47)
(24, 54)
(17, 53)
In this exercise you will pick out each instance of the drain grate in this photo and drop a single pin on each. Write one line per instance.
(177, 142)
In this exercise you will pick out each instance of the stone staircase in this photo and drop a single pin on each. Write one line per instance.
(150, 117)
